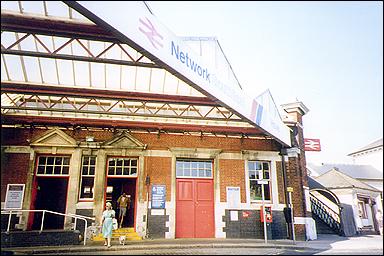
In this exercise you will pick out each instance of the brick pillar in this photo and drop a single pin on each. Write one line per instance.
(296, 165)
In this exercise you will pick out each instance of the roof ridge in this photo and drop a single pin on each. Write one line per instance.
(348, 179)
(372, 145)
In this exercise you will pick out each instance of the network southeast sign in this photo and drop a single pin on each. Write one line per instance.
(133, 23)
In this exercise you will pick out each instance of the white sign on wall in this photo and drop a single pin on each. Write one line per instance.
(14, 196)
(233, 197)
(234, 215)
(139, 27)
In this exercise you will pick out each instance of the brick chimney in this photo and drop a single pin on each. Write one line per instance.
(296, 172)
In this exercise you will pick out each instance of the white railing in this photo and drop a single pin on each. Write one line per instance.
(84, 218)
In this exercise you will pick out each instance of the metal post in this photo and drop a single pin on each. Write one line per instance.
(146, 216)
(264, 218)
(147, 183)
(42, 221)
(85, 231)
(9, 221)
(292, 215)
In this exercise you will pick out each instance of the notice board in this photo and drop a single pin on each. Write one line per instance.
(158, 197)
(233, 197)
(14, 196)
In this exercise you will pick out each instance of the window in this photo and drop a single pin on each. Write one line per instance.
(122, 166)
(53, 165)
(256, 168)
(194, 168)
(87, 177)
(362, 212)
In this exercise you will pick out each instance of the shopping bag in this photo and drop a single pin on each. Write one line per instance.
(114, 223)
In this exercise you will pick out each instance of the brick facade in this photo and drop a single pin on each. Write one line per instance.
(14, 170)
(280, 182)
(232, 174)
(159, 167)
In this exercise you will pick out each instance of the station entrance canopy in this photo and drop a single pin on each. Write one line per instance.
(81, 66)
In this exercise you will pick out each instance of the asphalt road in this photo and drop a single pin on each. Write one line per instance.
(324, 245)
(230, 251)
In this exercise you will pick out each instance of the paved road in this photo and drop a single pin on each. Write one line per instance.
(230, 251)
(201, 251)
(324, 245)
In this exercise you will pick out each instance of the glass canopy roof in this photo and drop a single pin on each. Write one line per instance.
(57, 65)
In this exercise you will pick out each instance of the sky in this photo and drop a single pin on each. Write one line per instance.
(328, 55)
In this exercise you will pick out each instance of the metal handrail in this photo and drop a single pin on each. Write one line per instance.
(332, 219)
(328, 208)
(81, 217)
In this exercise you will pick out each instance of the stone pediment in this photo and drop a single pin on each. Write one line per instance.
(54, 138)
(124, 140)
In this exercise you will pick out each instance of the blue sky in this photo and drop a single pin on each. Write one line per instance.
(329, 55)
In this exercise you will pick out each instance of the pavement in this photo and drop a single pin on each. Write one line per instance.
(323, 243)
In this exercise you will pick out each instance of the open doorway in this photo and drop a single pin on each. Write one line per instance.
(116, 187)
(51, 195)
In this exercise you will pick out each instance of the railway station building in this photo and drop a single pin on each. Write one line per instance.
(93, 106)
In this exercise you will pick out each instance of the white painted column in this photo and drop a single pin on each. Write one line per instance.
(73, 185)
(100, 173)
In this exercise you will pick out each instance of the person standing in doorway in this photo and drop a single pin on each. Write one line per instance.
(124, 202)
(107, 223)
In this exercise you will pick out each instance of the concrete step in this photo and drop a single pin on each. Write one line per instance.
(100, 238)
(129, 233)
(124, 230)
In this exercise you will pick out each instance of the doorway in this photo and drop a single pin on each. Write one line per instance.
(194, 208)
(116, 187)
(51, 195)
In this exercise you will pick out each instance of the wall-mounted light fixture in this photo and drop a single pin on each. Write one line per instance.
(89, 139)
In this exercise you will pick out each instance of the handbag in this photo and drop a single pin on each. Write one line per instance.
(114, 224)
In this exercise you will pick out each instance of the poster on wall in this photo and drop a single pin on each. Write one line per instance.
(233, 197)
(14, 196)
(158, 197)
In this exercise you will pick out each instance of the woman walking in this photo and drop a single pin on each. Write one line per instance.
(107, 223)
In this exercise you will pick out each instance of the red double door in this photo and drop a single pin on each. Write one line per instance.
(194, 208)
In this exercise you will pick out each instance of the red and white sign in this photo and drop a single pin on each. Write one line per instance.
(312, 145)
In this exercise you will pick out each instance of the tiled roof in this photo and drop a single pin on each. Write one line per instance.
(375, 144)
(336, 179)
(313, 184)
(357, 171)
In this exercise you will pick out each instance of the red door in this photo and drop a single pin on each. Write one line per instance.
(194, 208)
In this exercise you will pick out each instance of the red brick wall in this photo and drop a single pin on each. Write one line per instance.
(164, 141)
(14, 170)
(294, 181)
(187, 141)
(18, 136)
(231, 174)
(300, 232)
(280, 182)
(159, 171)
